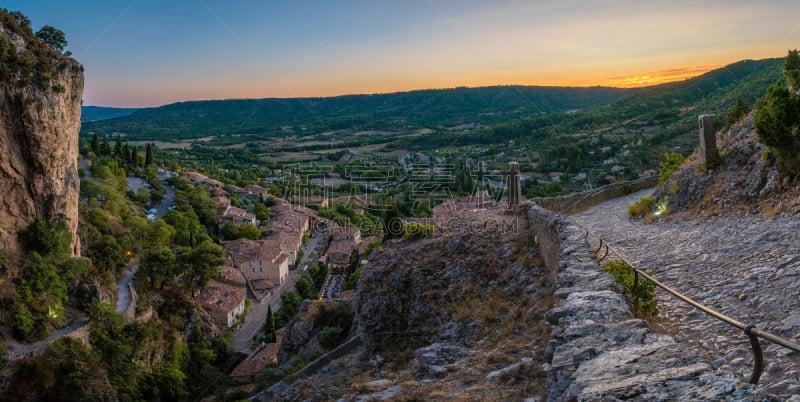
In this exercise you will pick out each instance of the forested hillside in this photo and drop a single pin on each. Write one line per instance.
(430, 108)
(93, 113)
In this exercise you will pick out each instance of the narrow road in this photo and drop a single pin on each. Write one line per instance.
(745, 267)
(258, 311)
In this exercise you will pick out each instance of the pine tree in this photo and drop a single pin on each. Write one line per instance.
(148, 155)
(791, 69)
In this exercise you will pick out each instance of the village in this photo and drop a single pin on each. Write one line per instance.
(259, 271)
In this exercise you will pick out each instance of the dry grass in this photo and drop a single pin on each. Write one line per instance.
(768, 210)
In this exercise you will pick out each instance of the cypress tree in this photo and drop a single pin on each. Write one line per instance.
(148, 155)
(269, 326)
(105, 147)
(95, 144)
(118, 148)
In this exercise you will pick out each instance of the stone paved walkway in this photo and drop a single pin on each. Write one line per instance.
(745, 267)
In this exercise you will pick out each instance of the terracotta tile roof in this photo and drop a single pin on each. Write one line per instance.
(245, 250)
(263, 284)
(255, 189)
(222, 201)
(221, 298)
(232, 276)
(257, 361)
(345, 232)
(196, 177)
(341, 246)
(216, 191)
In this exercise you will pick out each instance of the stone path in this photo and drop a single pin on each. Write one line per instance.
(745, 267)
(123, 291)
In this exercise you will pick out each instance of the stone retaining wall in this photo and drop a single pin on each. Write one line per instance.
(576, 202)
(130, 312)
(597, 349)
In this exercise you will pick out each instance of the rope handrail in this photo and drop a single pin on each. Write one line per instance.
(750, 330)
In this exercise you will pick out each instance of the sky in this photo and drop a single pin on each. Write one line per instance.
(142, 53)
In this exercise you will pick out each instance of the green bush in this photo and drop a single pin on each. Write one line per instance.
(670, 162)
(642, 298)
(737, 112)
(416, 231)
(641, 208)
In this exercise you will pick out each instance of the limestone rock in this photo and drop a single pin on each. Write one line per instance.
(39, 123)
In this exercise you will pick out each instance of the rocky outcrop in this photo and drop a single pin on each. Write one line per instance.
(745, 182)
(298, 335)
(40, 99)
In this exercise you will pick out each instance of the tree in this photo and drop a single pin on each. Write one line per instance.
(49, 238)
(201, 264)
(95, 144)
(148, 155)
(105, 147)
(21, 19)
(41, 288)
(777, 118)
(740, 109)
(305, 287)
(157, 265)
(290, 305)
(106, 254)
(261, 211)
(791, 69)
(269, 326)
(249, 231)
(118, 149)
(52, 37)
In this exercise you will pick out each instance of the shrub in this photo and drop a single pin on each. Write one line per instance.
(415, 231)
(737, 112)
(641, 208)
(670, 162)
(642, 297)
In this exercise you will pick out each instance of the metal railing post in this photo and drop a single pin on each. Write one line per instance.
(758, 357)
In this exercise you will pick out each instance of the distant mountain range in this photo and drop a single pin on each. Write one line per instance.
(432, 108)
(440, 108)
(94, 113)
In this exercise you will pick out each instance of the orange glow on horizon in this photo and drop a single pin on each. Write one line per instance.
(642, 79)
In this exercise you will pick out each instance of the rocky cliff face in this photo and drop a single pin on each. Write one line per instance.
(40, 98)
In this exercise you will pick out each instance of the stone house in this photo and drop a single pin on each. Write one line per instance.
(223, 301)
(342, 252)
(258, 259)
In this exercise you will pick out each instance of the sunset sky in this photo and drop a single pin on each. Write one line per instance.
(153, 52)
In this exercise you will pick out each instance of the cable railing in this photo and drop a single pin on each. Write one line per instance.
(750, 330)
